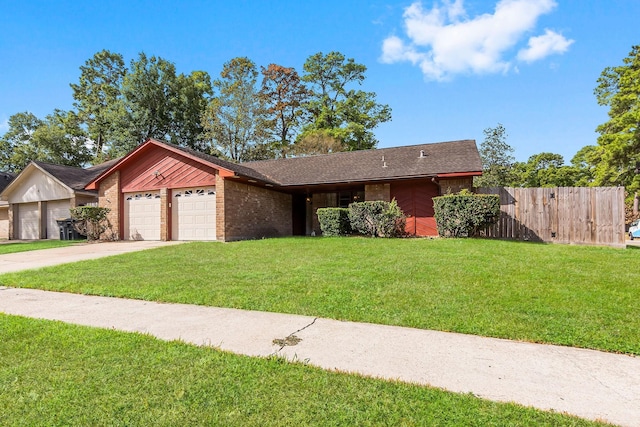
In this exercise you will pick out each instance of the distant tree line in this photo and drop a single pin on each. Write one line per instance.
(541, 170)
(614, 161)
(245, 114)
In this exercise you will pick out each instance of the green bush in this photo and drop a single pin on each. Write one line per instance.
(91, 221)
(377, 218)
(465, 214)
(334, 221)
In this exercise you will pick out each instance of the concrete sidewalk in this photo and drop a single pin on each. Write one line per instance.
(78, 252)
(586, 383)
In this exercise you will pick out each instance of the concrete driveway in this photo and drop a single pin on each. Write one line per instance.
(79, 252)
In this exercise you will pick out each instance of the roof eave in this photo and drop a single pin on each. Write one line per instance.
(93, 185)
(389, 178)
(459, 174)
(18, 179)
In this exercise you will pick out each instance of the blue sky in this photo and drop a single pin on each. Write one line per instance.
(448, 68)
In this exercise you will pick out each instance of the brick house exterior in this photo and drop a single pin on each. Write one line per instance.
(180, 188)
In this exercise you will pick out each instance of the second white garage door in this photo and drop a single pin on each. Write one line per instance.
(142, 216)
(58, 209)
(193, 213)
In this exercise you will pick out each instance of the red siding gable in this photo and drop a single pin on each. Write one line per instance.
(161, 168)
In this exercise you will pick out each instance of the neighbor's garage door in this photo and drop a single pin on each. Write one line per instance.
(58, 209)
(193, 214)
(28, 220)
(142, 216)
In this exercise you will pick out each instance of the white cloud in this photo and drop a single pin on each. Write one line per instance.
(443, 41)
(4, 126)
(543, 46)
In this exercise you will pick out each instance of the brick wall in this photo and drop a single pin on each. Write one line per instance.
(247, 212)
(373, 192)
(4, 222)
(452, 186)
(164, 215)
(220, 205)
(109, 197)
(13, 227)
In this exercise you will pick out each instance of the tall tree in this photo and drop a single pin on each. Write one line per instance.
(584, 164)
(619, 140)
(22, 126)
(318, 142)
(97, 96)
(193, 94)
(543, 170)
(58, 139)
(234, 121)
(284, 94)
(349, 115)
(149, 90)
(62, 140)
(497, 160)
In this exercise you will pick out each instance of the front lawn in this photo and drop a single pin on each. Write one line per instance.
(569, 295)
(54, 374)
(13, 247)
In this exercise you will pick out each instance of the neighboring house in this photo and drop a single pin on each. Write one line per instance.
(160, 191)
(44, 192)
(5, 179)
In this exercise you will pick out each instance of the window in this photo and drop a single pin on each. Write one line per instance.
(345, 198)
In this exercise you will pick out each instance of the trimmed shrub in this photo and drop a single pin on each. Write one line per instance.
(465, 214)
(91, 221)
(377, 218)
(334, 221)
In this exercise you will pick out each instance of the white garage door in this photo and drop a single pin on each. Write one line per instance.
(142, 216)
(28, 220)
(58, 209)
(193, 214)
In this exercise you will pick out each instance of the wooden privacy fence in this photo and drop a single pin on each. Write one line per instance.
(579, 215)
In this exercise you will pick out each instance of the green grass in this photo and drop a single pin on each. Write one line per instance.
(53, 374)
(13, 247)
(569, 295)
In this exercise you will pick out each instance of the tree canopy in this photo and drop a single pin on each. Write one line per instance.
(333, 108)
(118, 107)
(234, 120)
(57, 139)
(98, 95)
(619, 140)
(497, 160)
(284, 94)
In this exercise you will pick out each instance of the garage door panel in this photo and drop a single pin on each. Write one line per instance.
(58, 209)
(194, 214)
(28, 221)
(142, 216)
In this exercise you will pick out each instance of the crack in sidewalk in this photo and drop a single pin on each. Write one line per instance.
(291, 339)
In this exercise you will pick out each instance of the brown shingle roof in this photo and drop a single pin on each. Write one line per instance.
(373, 165)
(5, 179)
(74, 177)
